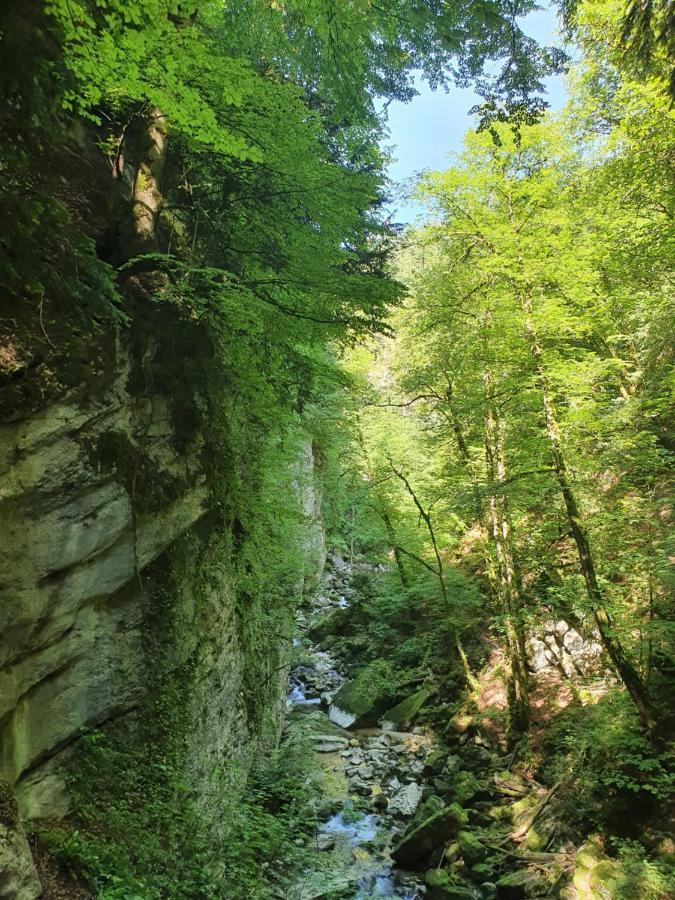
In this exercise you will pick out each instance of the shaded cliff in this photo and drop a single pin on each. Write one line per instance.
(123, 572)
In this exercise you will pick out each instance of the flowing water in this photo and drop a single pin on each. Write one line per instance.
(352, 845)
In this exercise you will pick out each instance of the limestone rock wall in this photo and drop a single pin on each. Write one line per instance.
(111, 553)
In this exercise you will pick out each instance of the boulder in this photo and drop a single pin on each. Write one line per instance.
(472, 850)
(466, 787)
(18, 878)
(328, 743)
(522, 884)
(332, 622)
(417, 843)
(402, 715)
(406, 799)
(442, 886)
(361, 701)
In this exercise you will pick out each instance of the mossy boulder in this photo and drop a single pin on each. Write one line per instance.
(466, 787)
(417, 843)
(330, 623)
(472, 850)
(442, 886)
(430, 807)
(404, 713)
(362, 700)
(594, 874)
(522, 884)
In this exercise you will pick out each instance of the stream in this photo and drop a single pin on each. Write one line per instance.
(375, 776)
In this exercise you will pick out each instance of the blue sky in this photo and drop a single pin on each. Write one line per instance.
(424, 131)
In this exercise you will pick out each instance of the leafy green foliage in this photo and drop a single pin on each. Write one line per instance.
(608, 765)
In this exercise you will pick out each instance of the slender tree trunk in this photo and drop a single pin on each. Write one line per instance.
(426, 517)
(623, 666)
(479, 506)
(398, 556)
(517, 676)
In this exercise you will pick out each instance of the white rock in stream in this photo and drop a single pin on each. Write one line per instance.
(340, 716)
(406, 799)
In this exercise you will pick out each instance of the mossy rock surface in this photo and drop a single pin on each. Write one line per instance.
(404, 713)
(522, 884)
(466, 787)
(417, 843)
(331, 623)
(472, 850)
(368, 694)
(442, 886)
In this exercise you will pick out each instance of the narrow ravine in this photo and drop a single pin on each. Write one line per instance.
(411, 813)
(377, 773)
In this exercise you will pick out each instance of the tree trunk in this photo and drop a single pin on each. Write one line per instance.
(424, 514)
(398, 556)
(517, 675)
(623, 666)
(140, 167)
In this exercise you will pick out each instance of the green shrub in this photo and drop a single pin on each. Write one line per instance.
(607, 765)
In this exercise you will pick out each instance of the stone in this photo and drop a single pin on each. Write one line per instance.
(466, 787)
(441, 786)
(452, 765)
(418, 843)
(406, 799)
(380, 802)
(329, 746)
(404, 713)
(521, 884)
(340, 716)
(435, 763)
(442, 886)
(340, 743)
(471, 848)
(325, 841)
(18, 878)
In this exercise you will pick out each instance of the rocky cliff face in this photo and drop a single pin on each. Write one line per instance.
(117, 573)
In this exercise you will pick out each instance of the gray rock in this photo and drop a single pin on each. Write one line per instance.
(418, 843)
(325, 841)
(406, 799)
(18, 878)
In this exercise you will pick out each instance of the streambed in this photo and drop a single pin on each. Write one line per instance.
(374, 780)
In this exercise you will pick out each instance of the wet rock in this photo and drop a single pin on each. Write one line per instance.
(418, 843)
(406, 799)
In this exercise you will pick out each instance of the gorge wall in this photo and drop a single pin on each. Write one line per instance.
(120, 577)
